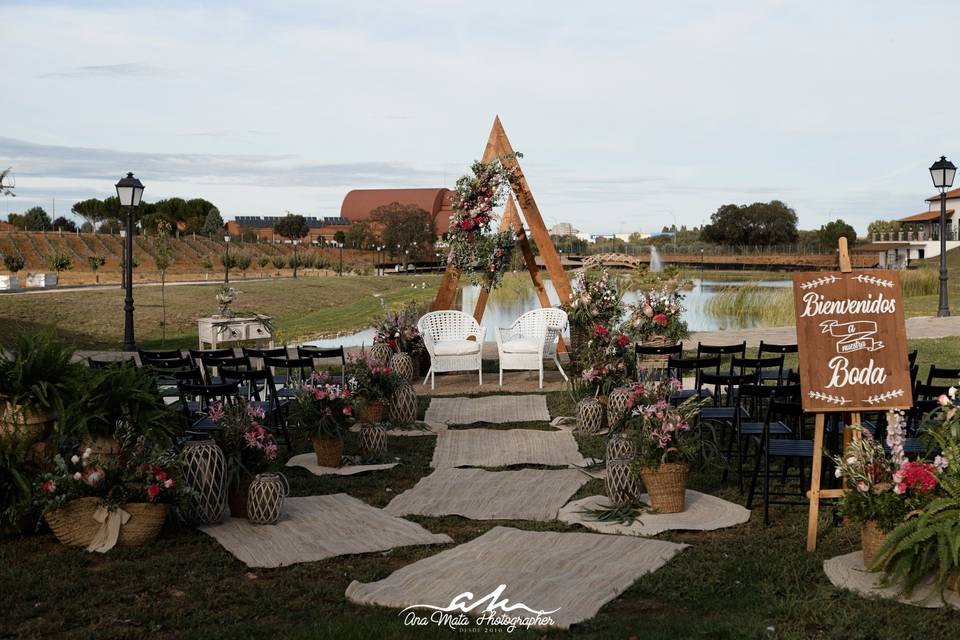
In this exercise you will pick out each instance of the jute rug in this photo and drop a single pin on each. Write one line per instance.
(499, 448)
(493, 409)
(526, 494)
(702, 512)
(318, 527)
(569, 575)
(309, 462)
(847, 572)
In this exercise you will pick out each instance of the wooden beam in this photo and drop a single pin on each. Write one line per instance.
(844, 256)
(531, 214)
(813, 513)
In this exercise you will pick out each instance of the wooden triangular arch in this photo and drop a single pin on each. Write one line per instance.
(498, 146)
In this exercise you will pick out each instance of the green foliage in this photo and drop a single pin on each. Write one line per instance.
(36, 219)
(761, 223)
(360, 235)
(834, 230)
(923, 545)
(920, 282)
(37, 371)
(121, 392)
(64, 224)
(340, 237)
(91, 210)
(405, 227)
(882, 226)
(206, 263)
(162, 250)
(95, 262)
(228, 259)
(262, 262)
(278, 262)
(59, 261)
(244, 260)
(595, 299)
(322, 410)
(213, 223)
(291, 226)
(16, 477)
(752, 304)
(309, 260)
(13, 262)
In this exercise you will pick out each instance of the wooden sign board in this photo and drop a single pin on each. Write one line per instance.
(852, 341)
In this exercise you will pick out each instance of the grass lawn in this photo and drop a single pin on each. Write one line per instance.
(750, 581)
(94, 318)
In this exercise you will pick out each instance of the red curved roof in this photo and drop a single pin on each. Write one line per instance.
(358, 203)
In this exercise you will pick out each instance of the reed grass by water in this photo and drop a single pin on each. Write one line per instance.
(920, 282)
(753, 305)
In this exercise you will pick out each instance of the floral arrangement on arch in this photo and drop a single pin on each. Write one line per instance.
(474, 246)
(140, 472)
(605, 360)
(369, 381)
(248, 446)
(657, 313)
(323, 410)
(594, 300)
(399, 331)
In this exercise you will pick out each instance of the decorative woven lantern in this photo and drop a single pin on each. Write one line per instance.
(590, 416)
(619, 447)
(621, 483)
(380, 354)
(204, 468)
(373, 441)
(265, 498)
(403, 406)
(617, 404)
(402, 365)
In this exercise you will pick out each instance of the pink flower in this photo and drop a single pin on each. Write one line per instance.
(919, 476)
(153, 491)
(648, 311)
(660, 319)
(170, 482)
(215, 411)
(348, 410)
(49, 486)
(943, 400)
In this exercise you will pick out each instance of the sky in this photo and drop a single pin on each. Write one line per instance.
(630, 115)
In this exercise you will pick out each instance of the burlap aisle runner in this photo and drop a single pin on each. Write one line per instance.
(847, 572)
(575, 573)
(702, 512)
(493, 409)
(498, 448)
(525, 494)
(309, 462)
(418, 429)
(318, 527)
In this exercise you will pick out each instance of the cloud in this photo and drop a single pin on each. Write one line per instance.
(57, 161)
(110, 71)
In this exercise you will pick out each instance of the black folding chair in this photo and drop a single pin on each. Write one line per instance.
(318, 355)
(754, 400)
(677, 367)
(722, 350)
(199, 356)
(169, 354)
(259, 390)
(767, 369)
(213, 366)
(196, 400)
(774, 350)
(654, 357)
(294, 371)
(936, 373)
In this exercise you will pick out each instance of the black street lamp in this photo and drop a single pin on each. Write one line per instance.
(942, 172)
(341, 259)
(226, 258)
(129, 193)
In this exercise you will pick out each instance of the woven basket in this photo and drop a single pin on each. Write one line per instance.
(105, 447)
(372, 412)
(380, 354)
(590, 416)
(617, 404)
(621, 485)
(27, 424)
(373, 441)
(667, 484)
(579, 337)
(620, 447)
(74, 526)
(329, 451)
(872, 539)
(402, 365)
(403, 406)
(656, 340)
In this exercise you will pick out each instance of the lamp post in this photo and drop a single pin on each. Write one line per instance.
(129, 193)
(942, 171)
(226, 258)
(701, 267)
(341, 259)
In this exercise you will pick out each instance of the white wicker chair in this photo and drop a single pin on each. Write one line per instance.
(531, 338)
(454, 341)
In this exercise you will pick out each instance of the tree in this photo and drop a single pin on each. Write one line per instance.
(163, 257)
(244, 261)
(262, 262)
(64, 224)
(878, 227)
(95, 262)
(761, 223)
(340, 237)
(13, 262)
(213, 223)
(36, 219)
(291, 227)
(59, 261)
(359, 235)
(206, 263)
(228, 261)
(278, 263)
(86, 227)
(833, 231)
(90, 210)
(295, 262)
(111, 226)
(405, 226)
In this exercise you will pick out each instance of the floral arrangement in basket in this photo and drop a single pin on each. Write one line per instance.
(399, 331)
(657, 317)
(594, 300)
(248, 446)
(473, 244)
(373, 386)
(140, 473)
(323, 410)
(927, 542)
(605, 360)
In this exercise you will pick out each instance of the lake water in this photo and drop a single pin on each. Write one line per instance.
(503, 309)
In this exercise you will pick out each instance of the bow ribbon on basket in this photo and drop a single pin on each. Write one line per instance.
(110, 522)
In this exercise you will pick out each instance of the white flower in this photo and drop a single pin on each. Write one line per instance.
(77, 475)
(87, 453)
(952, 392)
(75, 459)
(838, 473)
(852, 460)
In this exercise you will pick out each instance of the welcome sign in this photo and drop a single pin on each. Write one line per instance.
(852, 341)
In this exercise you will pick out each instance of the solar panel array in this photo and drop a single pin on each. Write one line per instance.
(267, 222)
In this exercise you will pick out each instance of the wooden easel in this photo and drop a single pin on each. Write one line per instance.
(498, 146)
(816, 493)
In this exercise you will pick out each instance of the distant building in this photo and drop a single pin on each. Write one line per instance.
(919, 234)
(321, 229)
(563, 229)
(360, 203)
